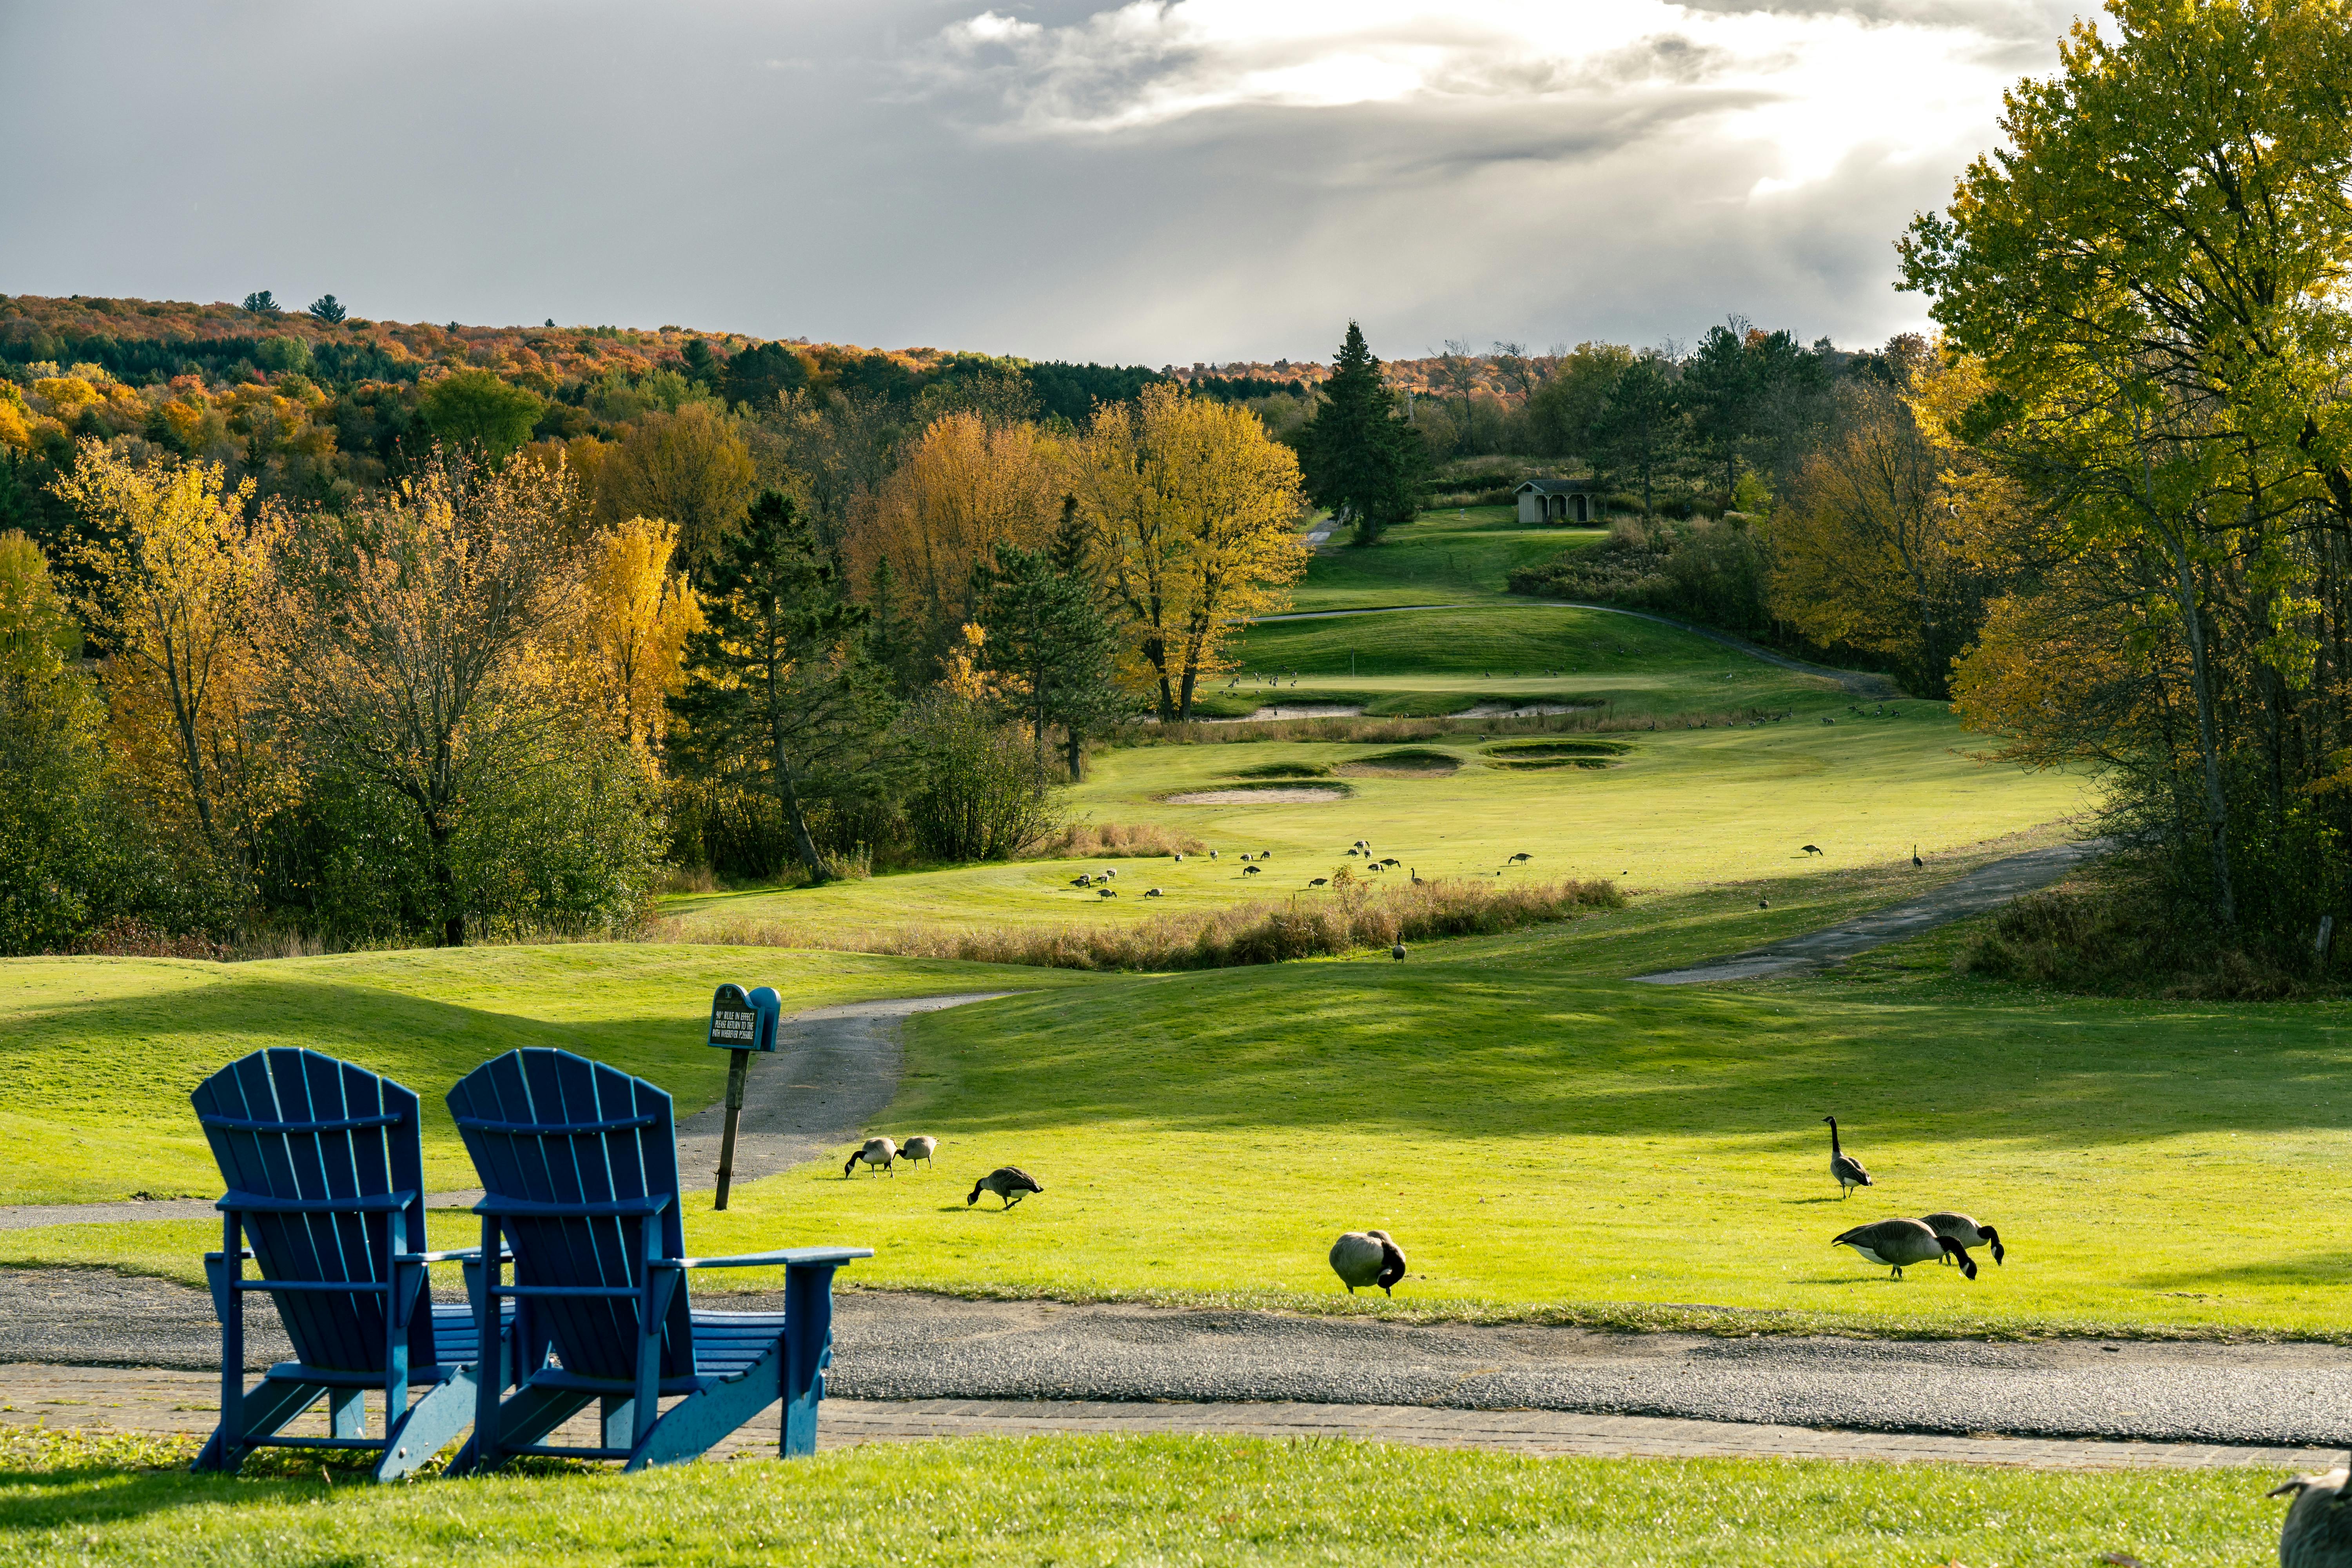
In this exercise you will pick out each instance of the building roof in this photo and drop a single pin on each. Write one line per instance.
(1556, 487)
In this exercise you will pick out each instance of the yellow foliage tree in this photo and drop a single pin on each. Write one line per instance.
(178, 574)
(689, 466)
(628, 631)
(1192, 511)
(964, 486)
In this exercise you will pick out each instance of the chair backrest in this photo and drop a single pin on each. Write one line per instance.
(288, 1125)
(557, 1130)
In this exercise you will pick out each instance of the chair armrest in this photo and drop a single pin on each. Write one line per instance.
(243, 1253)
(259, 1203)
(462, 1254)
(780, 1258)
(652, 1203)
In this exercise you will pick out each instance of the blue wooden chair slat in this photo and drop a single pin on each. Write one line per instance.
(578, 1163)
(324, 1180)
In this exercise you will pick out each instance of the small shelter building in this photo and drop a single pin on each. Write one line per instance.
(1559, 501)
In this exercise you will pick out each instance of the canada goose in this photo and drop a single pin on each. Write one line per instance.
(1108, 871)
(1212, 854)
(1763, 904)
(1320, 882)
(1515, 859)
(1965, 1231)
(1844, 1167)
(1829, 720)
(1898, 1243)
(1249, 870)
(1392, 863)
(1009, 1182)
(2317, 1532)
(1813, 848)
(1397, 952)
(1363, 843)
(1368, 1258)
(918, 1148)
(1180, 857)
(878, 1151)
(1916, 861)
(1266, 854)
(1082, 880)
(1106, 893)
(1151, 892)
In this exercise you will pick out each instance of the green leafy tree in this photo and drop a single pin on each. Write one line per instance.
(475, 411)
(782, 694)
(329, 308)
(1638, 427)
(1361, 461)
(761, 374)
(1051, 648)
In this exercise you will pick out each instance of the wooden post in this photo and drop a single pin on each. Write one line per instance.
(739, 1070)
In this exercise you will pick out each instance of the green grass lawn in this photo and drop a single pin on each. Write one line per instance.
(1135, 1500)
(98, 1056)
(1443, 557)
(1682, 809)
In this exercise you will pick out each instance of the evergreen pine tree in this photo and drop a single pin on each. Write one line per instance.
(1051, 646)
(1358, 458)
(781, 693)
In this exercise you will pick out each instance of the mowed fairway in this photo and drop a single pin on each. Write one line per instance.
(1546, 1141)
(98, 1056)
(1449, 556)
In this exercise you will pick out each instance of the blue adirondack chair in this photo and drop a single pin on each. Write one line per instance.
(326, 1196)
(579, 1163)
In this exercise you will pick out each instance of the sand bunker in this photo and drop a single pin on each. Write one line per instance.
(1293, 711)
(1520, 710)
(1285, 795)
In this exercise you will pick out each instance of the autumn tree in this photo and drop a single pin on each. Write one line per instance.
(177, 577)
(413, 630)
(628, 628)
(964, 486)
(780, 693)
(477, 412)
(690, 468)
(1361, 462)
(1192, 511)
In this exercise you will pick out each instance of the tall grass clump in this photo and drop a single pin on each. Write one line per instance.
(1264, 932)
(1113, 841)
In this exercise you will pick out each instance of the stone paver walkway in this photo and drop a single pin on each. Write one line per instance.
(167, 1402)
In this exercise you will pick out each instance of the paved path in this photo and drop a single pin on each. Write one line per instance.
(899, 1347)
(834, 1070)
(1987, 888)
(188, 1402)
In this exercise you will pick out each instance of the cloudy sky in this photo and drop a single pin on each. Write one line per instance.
(1168, 180)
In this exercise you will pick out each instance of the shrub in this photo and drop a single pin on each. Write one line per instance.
(2108, 936)
(986, 794)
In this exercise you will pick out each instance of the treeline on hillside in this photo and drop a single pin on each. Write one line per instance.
(2110, 511)
(498, 682)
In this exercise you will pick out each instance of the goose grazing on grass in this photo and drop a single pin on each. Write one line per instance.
(1844, 1167)
(1515, 859)
(1151, 892)
(2317, 1532)
(1898, 1243)
(1009, 1182)
(1965, 1231)
(878, 1151)
(1320, 882)
(1916, 862)
(1106, 893)
(1368, 1258)
(918, 1148)
(1813, 848)
(1249, 870)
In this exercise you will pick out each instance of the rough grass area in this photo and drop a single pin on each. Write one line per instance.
(1176, 1499)
(1263, 931)
(1114, 841)
(98, 1056)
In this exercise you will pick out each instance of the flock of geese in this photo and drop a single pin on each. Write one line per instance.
(1011, 1183)
(1943, 1236)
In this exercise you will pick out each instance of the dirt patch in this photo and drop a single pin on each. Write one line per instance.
(1260, 794)
(1520, 710)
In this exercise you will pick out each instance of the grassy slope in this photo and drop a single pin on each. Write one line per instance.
(1156, 1500)
(1444, 558)
(1686, 808)
(98, 1056)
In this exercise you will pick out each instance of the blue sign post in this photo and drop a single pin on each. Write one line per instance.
(743, 1022)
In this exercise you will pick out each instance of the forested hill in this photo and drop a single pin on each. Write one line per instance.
(144, 341)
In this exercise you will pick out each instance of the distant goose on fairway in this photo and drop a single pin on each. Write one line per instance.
(1249, 870)
(1106, 893)
(1965, 1231)
(1180, 857)
(1813, 848)
(1844, 1167)
(1368, 1258)
(878, 1151)
(1898, 1243)
(1515, 859)
(1151, 892)
(921, 1149)
(1009, 1182)
(1916, 861)
(2317, 1532)
(1320, 882)
(1763, 904)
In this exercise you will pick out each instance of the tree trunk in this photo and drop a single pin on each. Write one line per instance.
(445, 882)
(2209, 743)
(788, 796)
(1075, 744)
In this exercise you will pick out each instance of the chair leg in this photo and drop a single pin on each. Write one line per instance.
(523, 1419)
(427, 1427)
(263, 1414)
(347, 1413)
(808, 1351)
